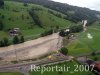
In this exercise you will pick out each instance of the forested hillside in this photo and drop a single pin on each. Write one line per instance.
(72, 13)
(36, 18)
(31, 19)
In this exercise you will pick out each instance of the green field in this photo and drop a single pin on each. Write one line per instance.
(10, 73)
(95, 57)
(69, 72)
(16, 15)
(83, 44)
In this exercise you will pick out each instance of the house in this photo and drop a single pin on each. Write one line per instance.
(67, 31)
(97, 67)
(14, 32)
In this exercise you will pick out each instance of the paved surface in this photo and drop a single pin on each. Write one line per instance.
(25, 67)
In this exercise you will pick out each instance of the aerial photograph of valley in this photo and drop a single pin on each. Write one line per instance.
(49, 37)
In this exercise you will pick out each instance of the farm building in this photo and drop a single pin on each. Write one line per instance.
(14, 32)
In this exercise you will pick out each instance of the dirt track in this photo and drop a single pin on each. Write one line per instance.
(31, 49)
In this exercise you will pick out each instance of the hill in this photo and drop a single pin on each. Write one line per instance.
(17, 15)
(83, 44)
(73, 13)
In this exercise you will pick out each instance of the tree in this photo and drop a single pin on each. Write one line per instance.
(64, 50)
(47, 32)
(25, 4)
(1, 3)
(22, 17)
(27, 17)
(93, 53)
(62, 33)
(6, 41)
(1, 25)
(22, 39)
(35, 17)
(3, 16)
(60, 72)
(76, 28)
(95, 58)
(1, 43)
(15, 40)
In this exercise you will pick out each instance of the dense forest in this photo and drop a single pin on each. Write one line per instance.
(35, 17)
(1, 23)
(73, 13)
(1, 3)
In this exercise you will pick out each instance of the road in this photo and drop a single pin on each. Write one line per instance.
(25, 67)
(31, 49)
